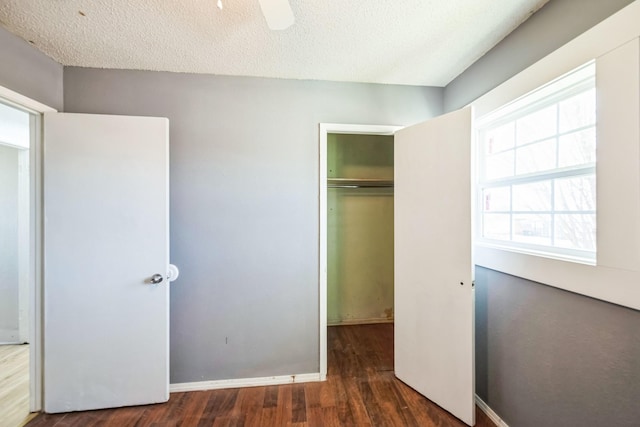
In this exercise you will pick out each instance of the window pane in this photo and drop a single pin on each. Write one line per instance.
(575, 194)
(578, 111)
(536, 157)
(496, 199)
(538, 125)
(534, 229)
(499, 165)
(500, 138)
(537, 168)
(532, 197)
(577, 148)
(575, 231)
(496, 226)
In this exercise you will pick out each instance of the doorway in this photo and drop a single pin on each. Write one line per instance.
(433, 280)
(16, 294)
(20, 128)
(360, 229)
(356, 227)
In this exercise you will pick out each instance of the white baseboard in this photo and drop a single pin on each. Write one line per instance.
(244, 382)
(492, 415)
(9, 336)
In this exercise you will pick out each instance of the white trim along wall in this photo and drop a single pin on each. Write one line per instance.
(492, 415)
(244, 382)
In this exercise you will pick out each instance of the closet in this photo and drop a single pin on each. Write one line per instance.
(359, 229)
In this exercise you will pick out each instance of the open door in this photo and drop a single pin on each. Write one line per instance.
(434, 296)
(106, 252)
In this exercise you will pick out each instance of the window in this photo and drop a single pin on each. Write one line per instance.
(614, 47)
(537, 185)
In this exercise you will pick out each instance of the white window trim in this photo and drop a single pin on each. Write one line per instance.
(577, 81)
(615, 277)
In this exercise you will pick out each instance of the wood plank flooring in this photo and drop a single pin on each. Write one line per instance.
(360, 390)
(14, 385)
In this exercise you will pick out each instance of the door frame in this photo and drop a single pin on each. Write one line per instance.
(24, 241)
(325, 129)
(36, 109)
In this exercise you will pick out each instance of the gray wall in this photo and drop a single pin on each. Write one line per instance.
(244, 226)
(244, 204)
(29, 72)
(9, 273)
(547, 357)
(555, 24)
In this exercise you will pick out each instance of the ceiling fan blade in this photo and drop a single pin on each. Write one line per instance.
(278, 13)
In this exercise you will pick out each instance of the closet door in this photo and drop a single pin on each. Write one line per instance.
(434, 296)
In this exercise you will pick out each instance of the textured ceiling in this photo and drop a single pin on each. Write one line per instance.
(417, 42)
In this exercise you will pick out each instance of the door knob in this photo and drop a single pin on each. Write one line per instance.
(156, 278)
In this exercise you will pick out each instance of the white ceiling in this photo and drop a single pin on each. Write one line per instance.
(415, 42)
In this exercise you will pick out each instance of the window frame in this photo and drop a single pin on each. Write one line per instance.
(575, 82)
(615, 45)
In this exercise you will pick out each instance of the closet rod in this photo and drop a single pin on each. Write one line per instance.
(359, 186)
(359, 183)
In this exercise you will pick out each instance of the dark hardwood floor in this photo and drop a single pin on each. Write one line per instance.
(360, 390)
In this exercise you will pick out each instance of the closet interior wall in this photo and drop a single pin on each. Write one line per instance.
(360, 229)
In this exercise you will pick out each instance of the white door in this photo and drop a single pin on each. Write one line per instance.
(434, 297)
(106, 220)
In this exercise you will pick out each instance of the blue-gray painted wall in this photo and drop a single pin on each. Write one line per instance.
(244, 188)
(29, 72)
(548, 357)
(244, 204)
(555, 24)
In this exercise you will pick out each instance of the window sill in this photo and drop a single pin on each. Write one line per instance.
(586, 260)
(614, 285)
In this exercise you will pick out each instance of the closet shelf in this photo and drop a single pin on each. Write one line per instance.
(358, 183)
